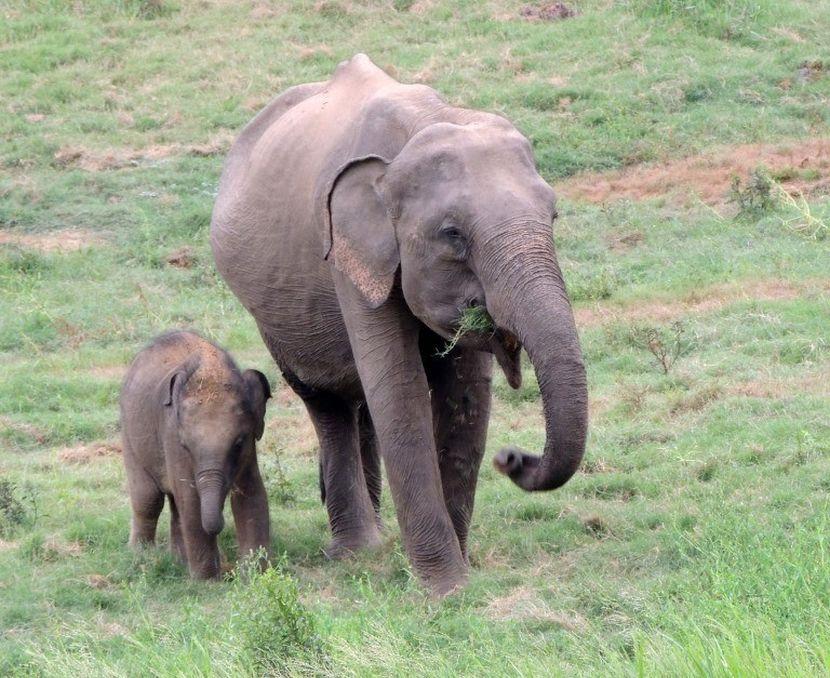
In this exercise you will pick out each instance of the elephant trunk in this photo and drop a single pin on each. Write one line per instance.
(211, 488)
(528, 298)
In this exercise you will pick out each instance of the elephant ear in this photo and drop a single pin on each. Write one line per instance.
(362, 233)
(259, 390)
(174, 388)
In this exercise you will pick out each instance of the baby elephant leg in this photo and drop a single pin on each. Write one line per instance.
(249, 504)
(200, 547)
(147, 501)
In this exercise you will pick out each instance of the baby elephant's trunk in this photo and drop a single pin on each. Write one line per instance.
(211, 487)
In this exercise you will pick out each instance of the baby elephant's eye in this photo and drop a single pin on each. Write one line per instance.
(452, 232)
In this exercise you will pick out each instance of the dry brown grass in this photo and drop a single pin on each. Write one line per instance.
(87, 453)
(707, 177)
(700, 301)
(65, 240)
(524, 604)
(92, 160)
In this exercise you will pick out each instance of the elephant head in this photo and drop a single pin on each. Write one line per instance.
(218, 414)
(461, 215)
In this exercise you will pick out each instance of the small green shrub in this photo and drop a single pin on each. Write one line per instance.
(18, 506)
(271, 624)
(279, 487)
(763, 196)
(754, 198)
(666, 344)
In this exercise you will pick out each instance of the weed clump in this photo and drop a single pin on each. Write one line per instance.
(473, 319)
(280, 489)
(666, 344)
(762, 196)
(18, 506)
(755, 198)
(273, 628)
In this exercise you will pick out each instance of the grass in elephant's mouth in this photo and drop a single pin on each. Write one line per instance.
(472, 319)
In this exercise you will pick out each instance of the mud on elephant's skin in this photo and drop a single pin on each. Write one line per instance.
(357, 219)
(189, 422)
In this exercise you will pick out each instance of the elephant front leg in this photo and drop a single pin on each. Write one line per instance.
(384, 343)
(249, 503)
(343, 485)
(461, 385)
(200, 548)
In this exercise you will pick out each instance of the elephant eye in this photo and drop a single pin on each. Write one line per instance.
(450, 230)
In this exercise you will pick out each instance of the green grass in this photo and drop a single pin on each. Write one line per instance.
(472, 319)
(695, 539)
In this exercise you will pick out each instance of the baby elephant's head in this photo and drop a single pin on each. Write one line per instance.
(219, 415)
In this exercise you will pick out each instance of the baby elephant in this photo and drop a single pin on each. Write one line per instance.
(188, 420)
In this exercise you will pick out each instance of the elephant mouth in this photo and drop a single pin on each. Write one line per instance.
(508, 350)
(502, 343)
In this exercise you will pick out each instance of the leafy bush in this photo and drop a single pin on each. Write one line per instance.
(18, 506)
(279, 487)
(763, 196)
(270, 623)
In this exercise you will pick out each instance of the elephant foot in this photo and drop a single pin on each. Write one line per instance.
(345, 546)
(440, 587)
(210, 569)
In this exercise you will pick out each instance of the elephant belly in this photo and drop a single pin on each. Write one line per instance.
(305, 334)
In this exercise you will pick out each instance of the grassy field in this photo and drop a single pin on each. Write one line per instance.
(696, 538)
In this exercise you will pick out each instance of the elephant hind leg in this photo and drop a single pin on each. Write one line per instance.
(343, 485)
(370, 458)
(176, 537)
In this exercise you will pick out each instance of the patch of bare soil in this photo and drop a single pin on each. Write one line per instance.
(8, 545)
(98, 161)
(810, 70)
(702, 301)
(524, 604)
(549, 11)
(66, 240)
(98, 581)
(184, 257)
(84, 454)
(800, 166)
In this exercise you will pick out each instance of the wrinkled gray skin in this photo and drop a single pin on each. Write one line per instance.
(355, 219)
(189, 421)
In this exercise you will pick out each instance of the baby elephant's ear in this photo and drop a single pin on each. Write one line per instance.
(258, 391)
(175, 386)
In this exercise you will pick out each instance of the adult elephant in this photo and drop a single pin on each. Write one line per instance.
(356, 220)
